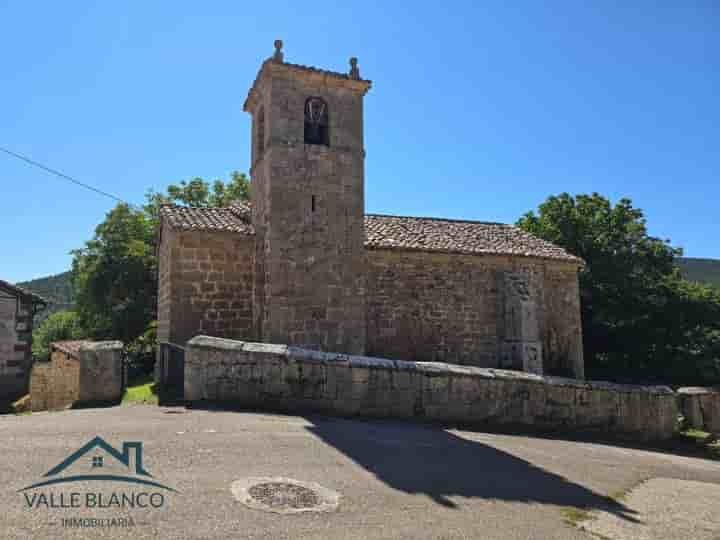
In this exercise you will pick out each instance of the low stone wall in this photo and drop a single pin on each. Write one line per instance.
(55, 384)
(78, 372)
(701, 408)
(298, 380)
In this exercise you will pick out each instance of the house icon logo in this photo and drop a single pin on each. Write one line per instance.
(93, 460)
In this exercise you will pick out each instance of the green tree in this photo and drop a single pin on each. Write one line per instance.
(114, 274)
(640, 318)
(59, 326)
(200, 193)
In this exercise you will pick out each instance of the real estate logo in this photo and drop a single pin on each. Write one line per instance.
(65, 485)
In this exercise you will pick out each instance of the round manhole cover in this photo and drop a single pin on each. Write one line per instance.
(284, 495)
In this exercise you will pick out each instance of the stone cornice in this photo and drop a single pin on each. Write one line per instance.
(496, 258)
(309, 75)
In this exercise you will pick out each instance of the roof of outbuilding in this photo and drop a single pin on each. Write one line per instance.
(71, 347)
(19, 291)
(392, 232)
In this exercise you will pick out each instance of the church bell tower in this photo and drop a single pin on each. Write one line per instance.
(308, 205)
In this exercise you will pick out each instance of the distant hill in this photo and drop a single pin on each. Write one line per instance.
(56, 289)
(702, 270)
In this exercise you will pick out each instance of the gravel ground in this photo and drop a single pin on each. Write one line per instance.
(664, 508)
(395, 479)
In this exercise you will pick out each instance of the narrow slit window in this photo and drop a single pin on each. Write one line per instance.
(316, 121)
(312, 203)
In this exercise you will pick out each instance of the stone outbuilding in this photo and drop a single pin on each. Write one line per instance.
(78, 372)
(17, 310)
(301, 263)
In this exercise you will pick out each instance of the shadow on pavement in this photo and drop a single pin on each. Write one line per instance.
(432, 461)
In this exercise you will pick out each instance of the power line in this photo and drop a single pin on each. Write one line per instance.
(65, 176)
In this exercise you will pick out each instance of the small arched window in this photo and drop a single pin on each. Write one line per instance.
(260, 134)
(316, 121)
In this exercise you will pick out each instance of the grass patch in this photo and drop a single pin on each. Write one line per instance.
(703, 442)
(697, 435)
(573, 516)
(141, 390)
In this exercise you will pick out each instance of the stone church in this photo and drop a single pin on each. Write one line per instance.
(303, 264)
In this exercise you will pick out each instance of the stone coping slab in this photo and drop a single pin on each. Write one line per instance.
(292, 353)
(698, 390)
(75, 347)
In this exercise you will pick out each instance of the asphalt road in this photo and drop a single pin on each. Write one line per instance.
(397, 480)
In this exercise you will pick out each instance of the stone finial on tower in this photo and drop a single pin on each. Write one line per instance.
(278, 54)
(354, 70)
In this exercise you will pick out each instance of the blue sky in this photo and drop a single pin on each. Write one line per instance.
(478, 110)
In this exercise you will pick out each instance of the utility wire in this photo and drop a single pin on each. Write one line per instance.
(65, 176)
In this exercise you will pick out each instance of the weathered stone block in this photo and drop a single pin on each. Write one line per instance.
(701, 408)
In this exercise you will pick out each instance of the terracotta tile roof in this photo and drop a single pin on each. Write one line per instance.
(455, 236)
(71, 347)
(312, 69)
(241, 209)
(393, 232)
(19, 291)
(235, 218)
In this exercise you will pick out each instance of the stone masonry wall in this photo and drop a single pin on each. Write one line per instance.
(55, 384)
(560, 323)
(101, 372)
(308, 212)
(433, 307)
(15, 346)
(299, 380)
(487, 311)
(91, 373)
(205, 285)
(701, 408)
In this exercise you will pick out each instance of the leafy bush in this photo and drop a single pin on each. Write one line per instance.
(141, 353)
(59, 326)
(641, 320)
